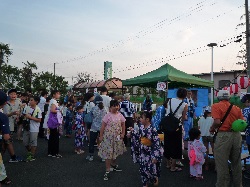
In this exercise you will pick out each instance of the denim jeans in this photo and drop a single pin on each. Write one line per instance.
(93, 137)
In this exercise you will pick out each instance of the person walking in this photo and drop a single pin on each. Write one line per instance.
(44, 95)
(188, 123)
(127, 109)
(173, 139)
(227, 143)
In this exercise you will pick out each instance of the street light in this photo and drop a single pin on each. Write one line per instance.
(212, 45)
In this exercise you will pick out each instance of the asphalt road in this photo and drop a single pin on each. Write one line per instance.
(75, 170)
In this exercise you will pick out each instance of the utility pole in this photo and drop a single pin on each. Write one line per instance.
(1, 63)
(54, 70)
(247, 42)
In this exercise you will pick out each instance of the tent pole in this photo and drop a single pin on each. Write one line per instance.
(166, 95)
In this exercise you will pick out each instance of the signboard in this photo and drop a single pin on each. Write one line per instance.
(161, 86)
(95, 90)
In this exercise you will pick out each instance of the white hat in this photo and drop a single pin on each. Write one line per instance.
(223, 95)
(208, 109)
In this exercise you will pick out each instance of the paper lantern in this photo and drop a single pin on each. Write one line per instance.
(216, 92)
(243, 82)
(234, 88)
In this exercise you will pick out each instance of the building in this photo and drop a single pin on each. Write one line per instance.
(223, 78)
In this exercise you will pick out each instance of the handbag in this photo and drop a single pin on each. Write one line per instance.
(222, 121)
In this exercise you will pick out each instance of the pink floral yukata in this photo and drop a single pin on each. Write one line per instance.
(196, 150)
(112, 145)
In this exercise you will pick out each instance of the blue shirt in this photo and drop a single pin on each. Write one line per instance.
(69, 116)
(246, 115)
(191, 107)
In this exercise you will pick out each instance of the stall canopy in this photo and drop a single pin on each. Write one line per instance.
(167, 73)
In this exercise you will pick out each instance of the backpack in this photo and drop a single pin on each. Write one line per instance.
(88, 118)
(170, 123)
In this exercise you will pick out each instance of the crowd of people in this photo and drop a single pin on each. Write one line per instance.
(114, 125)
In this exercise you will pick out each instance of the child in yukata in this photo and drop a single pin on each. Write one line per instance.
(79, 131)
(146, 150)
(196, 151)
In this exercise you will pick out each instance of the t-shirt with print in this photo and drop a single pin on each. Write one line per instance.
(37, 113)
(88, 106)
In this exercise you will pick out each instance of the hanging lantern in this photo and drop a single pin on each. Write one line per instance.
(226, 88)
(242, 82)
(216, 93)
(234, 88)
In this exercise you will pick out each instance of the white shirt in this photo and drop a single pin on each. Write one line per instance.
(205, 125)
(34, 126)
(174, 104)
(106, 102)
(88, 106)
(42, 103)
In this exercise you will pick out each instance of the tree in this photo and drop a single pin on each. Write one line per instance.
(10, 77)
(84, 77)
(27, 75)
(145, 91)
(5, 52)
(242, 54)
(47, 81)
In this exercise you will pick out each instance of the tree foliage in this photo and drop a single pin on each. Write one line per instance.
(84, 77)
(5, 51)
(26, 79)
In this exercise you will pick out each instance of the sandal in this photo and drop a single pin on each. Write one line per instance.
(176, 169)
(6, 181)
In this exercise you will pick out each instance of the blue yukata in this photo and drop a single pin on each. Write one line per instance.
(159, 114)
(80, 131)
(69, 121)
(246, 112)
(144, 154)
(188, 124)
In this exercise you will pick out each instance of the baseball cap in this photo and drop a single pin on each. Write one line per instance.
(12, 90)
(223, 95)
(98, 99)
(3, 97)
(208, 109)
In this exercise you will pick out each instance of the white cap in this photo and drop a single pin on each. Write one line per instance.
(223, 95)
(208, 108)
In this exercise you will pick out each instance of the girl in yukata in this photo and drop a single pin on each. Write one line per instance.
(196, 151)
(111, 137)
(146, 150)
(79, 130)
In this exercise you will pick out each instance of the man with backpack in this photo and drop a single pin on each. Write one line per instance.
(227, 142)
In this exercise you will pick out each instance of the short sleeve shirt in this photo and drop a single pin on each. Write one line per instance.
(219, 110)
(34, 126)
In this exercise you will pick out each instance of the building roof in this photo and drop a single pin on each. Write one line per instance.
(113, 83)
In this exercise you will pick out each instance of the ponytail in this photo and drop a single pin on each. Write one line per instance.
(100, 105)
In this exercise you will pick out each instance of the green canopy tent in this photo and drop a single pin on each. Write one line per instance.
(172, 76)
